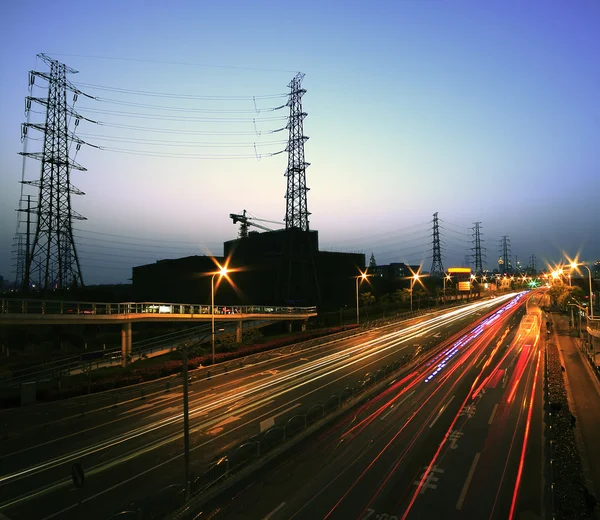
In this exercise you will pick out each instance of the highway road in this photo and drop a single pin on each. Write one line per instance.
(132, 452)
(459, 438)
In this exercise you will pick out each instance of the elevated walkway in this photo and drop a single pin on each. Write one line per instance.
(57, 312)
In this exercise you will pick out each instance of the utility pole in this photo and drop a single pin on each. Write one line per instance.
(186, 422)
(23, 251)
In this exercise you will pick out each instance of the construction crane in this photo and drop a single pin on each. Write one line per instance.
(247, 221)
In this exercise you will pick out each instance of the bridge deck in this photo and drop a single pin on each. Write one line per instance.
(37, 312)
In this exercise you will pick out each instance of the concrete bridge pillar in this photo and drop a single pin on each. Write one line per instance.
(238, 332)
(126, 343)
(289, 326)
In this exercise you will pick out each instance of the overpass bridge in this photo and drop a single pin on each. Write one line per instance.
(57, 312)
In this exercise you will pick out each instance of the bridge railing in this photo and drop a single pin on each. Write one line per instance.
(26, 306)
(593, 326)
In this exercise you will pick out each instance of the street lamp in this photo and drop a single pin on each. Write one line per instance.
(221, 272)
(447, 277)
(359, 279)
(413, 279)
(575, 265)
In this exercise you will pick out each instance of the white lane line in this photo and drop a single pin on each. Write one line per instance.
(493, 413)
(440, 412)
(274, 511)
(287, 410)
(392, 407)
(465, 488)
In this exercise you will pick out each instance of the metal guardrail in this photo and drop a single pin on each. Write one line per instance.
(116, 396)
(21, 306)
(593, 326)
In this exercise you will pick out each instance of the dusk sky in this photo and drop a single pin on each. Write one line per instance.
(481, 111)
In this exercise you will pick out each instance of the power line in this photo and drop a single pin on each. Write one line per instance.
(189, 156)
(189, 109)
(204, 144)
(187, 132)
(181, 118)
(133, 238)
(178, 96)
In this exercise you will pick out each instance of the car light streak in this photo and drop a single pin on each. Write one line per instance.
(525, 438)
(433, 461)
(514, 436)
(481, 342)
(287, 381)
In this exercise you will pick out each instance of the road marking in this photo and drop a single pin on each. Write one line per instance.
(391, 407)
(454, 436)
(440, 412)
(267, 423)
(465, 488)
(467, 411)
(493, 413)
(429, 479)
(280, 506)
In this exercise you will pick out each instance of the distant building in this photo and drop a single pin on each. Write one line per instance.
(395, 271)
(391, 277)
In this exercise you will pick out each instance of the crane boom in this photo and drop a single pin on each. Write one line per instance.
(246, 221)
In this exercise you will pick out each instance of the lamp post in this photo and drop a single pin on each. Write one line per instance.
(414, 278)
(361, 277)
(221, 272)
(575, 265)
(447, 277)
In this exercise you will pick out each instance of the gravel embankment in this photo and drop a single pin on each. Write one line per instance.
(567, 472)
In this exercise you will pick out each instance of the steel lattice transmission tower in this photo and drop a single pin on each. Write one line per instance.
(505, 258)
(478, 256)
(436, 264)
(52, 262)
(296, 211)
(532, 264)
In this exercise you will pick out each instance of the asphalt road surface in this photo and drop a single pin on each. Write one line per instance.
(131, 452)
(459, 438)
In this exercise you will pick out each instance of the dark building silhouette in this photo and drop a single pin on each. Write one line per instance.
(273, 268)
(395, 271)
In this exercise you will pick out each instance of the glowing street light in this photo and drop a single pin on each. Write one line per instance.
(446, 278)
(360, 279)
(413, 279)
(575, 265)
(221, 273)
(186, 414)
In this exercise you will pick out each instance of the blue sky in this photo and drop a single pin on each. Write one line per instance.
(480, 111)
